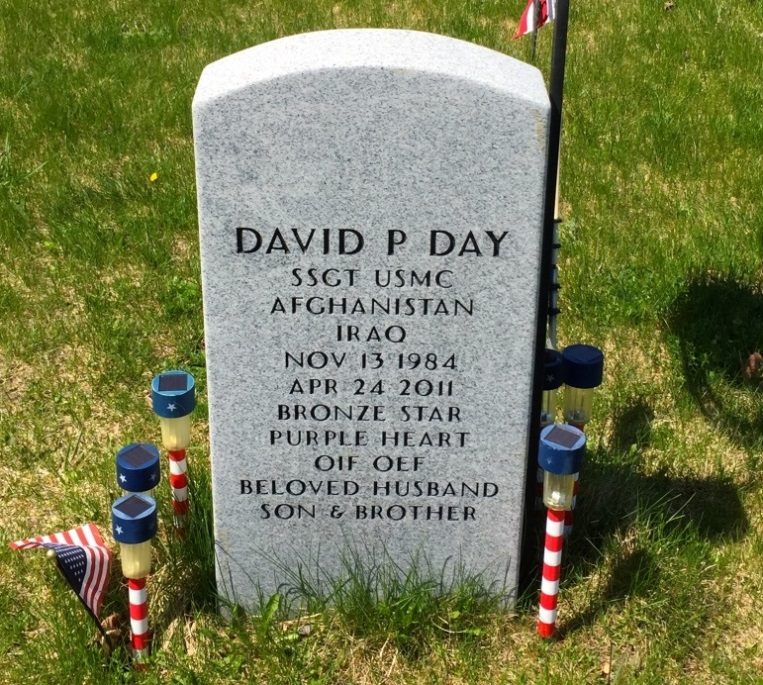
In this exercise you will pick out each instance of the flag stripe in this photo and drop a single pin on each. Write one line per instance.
(88, 589)
(103, 580)
(527, 23)
(100, 563)
(90, 538)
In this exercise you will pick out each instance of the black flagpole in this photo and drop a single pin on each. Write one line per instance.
(556, 92)
(536, 19)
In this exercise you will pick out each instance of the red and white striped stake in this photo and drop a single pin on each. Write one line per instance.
(179, 485)
(552, 568)
(140, 635)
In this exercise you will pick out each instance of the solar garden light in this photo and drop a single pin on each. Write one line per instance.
(133, 522)
(560, 455)
(552, 381)
(583, 371)
(138, 468)
(174, 397)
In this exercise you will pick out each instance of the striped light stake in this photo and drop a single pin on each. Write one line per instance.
(583, 372)
(552, 568)
(560, 456)
(139, 633)
(133, 521)
(174, 398)
(552, 380)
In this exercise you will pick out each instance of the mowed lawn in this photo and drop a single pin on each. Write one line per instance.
(660, 267)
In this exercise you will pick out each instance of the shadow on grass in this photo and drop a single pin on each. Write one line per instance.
(627, 578)
(611, 494)
(718, 323)
(632, 427)
(646, 536)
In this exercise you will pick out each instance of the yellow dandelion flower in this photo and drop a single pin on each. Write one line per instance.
(153, 177)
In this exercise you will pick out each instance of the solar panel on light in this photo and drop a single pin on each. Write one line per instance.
(137, 456)
(172, 381)
(560, 436)
(133, 506)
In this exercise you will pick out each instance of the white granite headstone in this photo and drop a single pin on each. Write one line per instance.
(370, 204)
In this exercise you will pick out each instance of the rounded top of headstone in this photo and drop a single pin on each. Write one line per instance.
(553, 372)
(583, 366)
(401, 53)
(138, 467)
(133, 519)
(562, 449)
(173, 394)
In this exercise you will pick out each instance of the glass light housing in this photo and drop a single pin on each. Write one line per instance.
(578, 404)
(176, 433)
(548, 408)
(583, 371)
(558, 490)
(136, 559)
(553, 366)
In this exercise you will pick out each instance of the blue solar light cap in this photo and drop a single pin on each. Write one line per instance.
(553, 371)
(562, 449)
(133, 519)
(138, 467)
(583, 366)
(173, 394)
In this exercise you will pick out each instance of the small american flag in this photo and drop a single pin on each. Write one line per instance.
(527, 24)
(82, 559)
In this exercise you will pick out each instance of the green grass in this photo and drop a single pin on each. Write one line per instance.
(661, 267)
